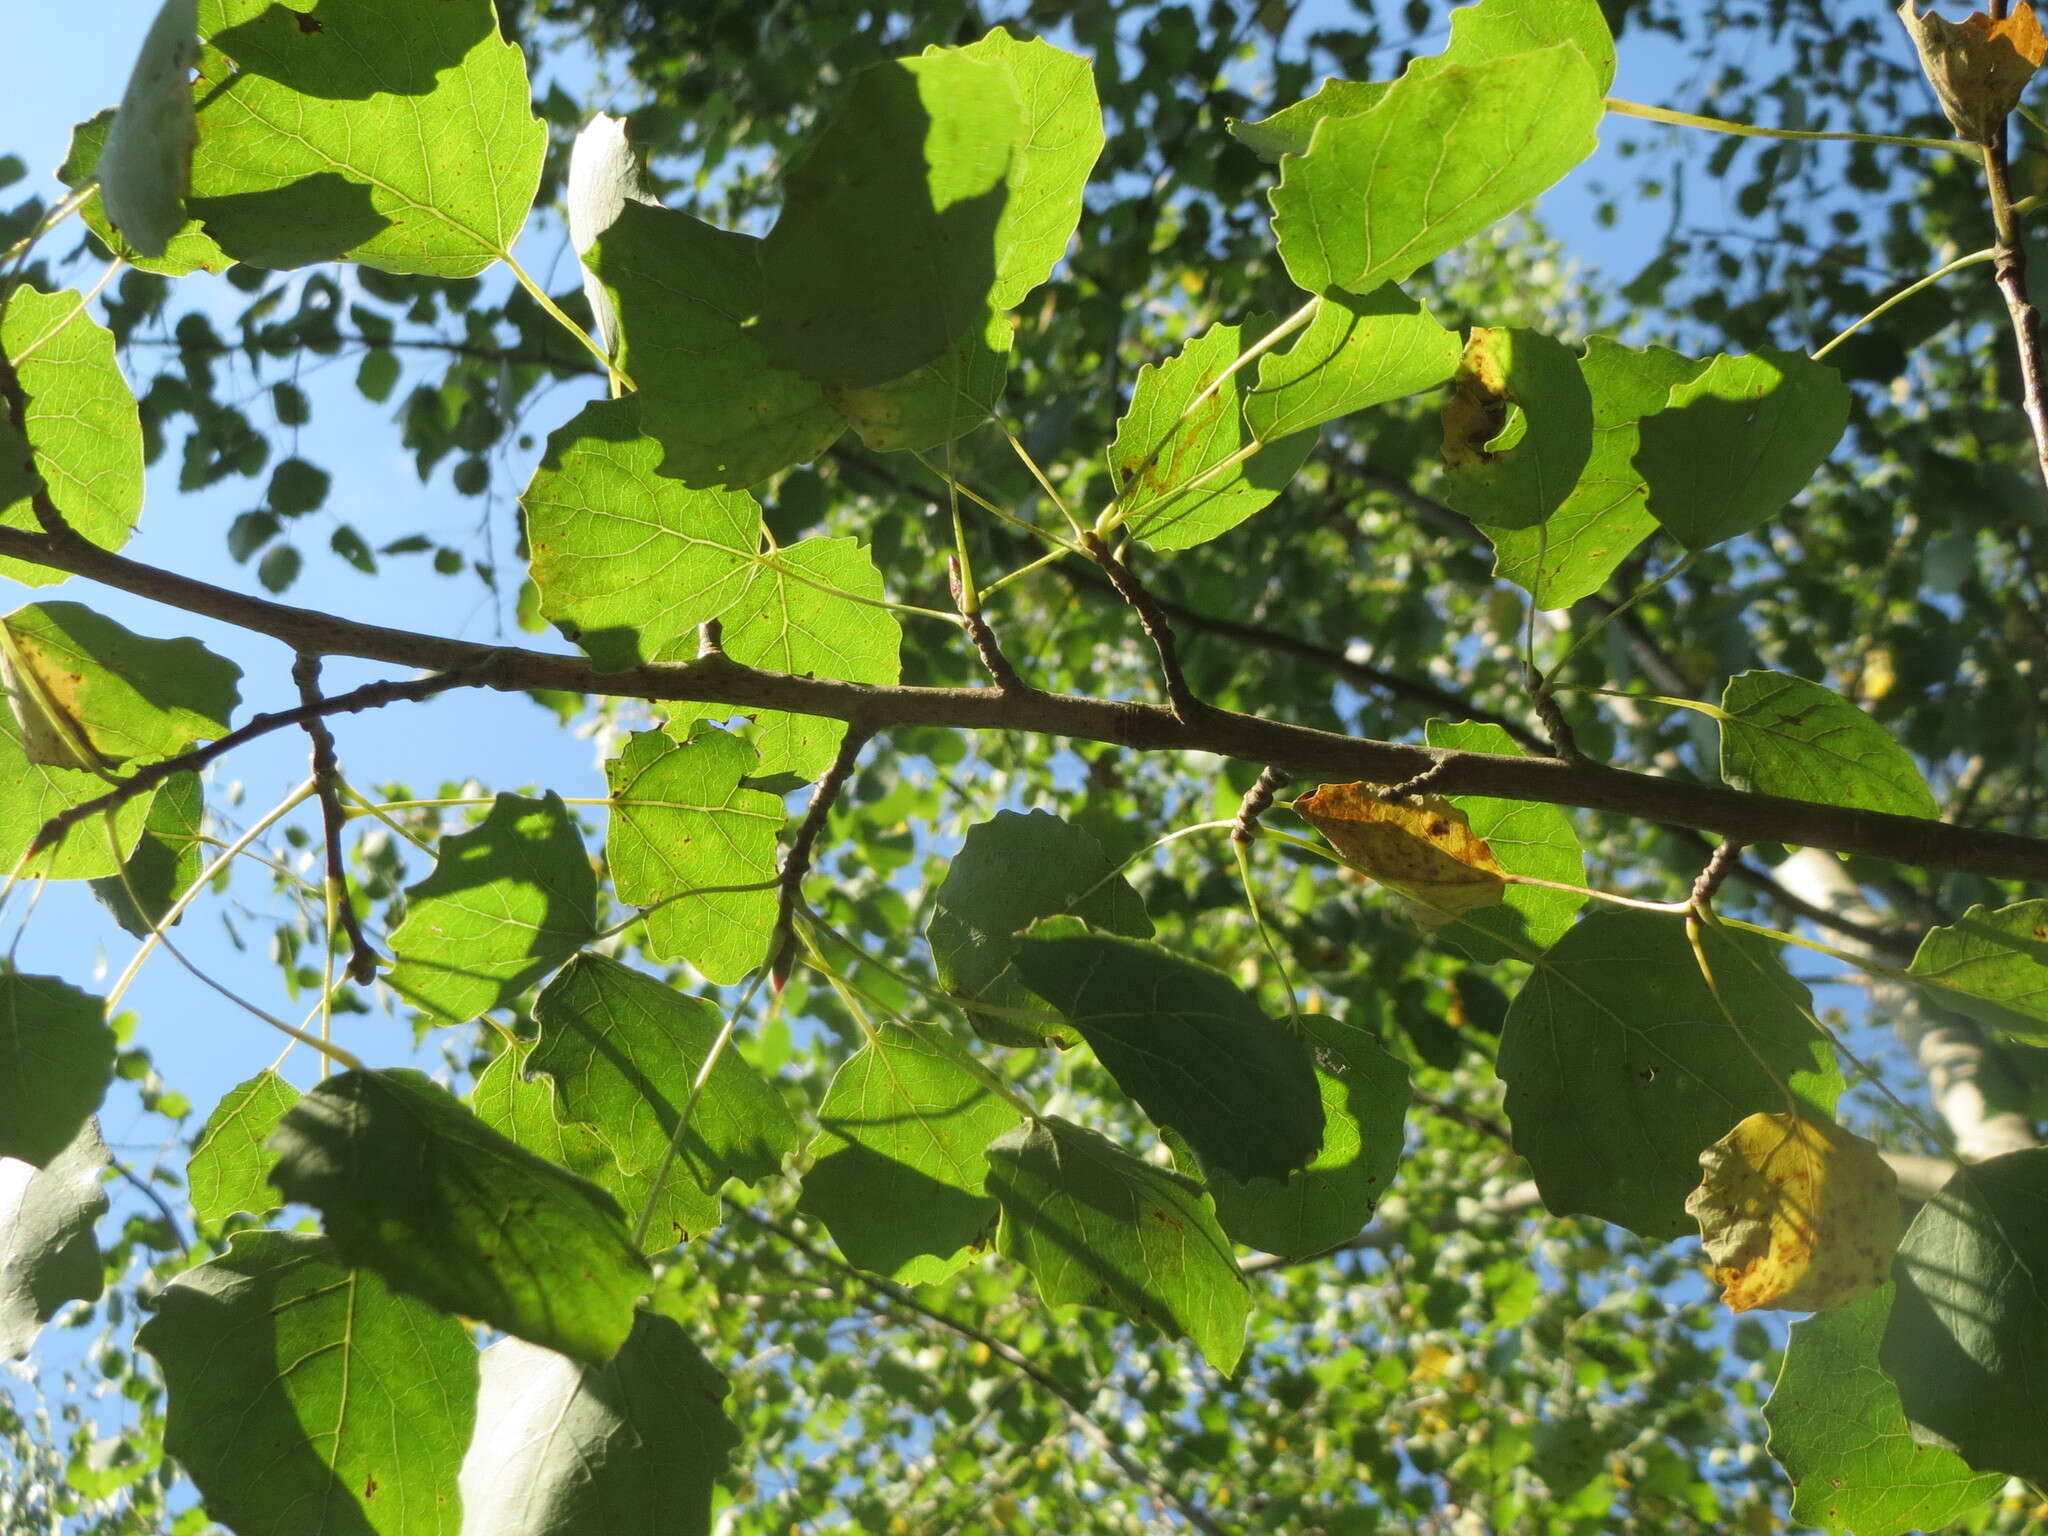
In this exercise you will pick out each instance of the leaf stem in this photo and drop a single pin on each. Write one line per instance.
(549, 307)
(1621, 108)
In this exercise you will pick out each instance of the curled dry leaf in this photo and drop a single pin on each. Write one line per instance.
(1424, 849)
(1796, 1215)
(1978, 67)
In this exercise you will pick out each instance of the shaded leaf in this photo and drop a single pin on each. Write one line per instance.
(1358, 351)
(564, 1449)
(1993, 965)
(899, 1158)
(1967, 1342)
(1736, 441)
(1518, 428)
(1621, 1068)
(147, 163)
(190, 249)
(1174, 447)
(1424, 848)
(681, 822)
(1782, 735)
(1098, 1227)
(1979, 67)
(412, 1184)
(1010, 871)
(84, 433)
(624, 1048)
(1838, 1431)
(398, 135)
(906, 189)
(48, 1255)
(932, 405)
(507, 902)
(1188, 1045)
(1796, 1213)
(231, 1160)
(306, 1399)
(56, 1060)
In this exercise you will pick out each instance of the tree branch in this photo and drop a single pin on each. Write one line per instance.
(362, 959)
(797, 863)
(1299, 751)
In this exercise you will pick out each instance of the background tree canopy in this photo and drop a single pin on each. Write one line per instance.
(1237, 800)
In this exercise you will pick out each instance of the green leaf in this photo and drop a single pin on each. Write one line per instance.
(1011, 871)
(900, 1157)
(563, 1449)
(189, 250)
(1528, 839)
(231, 1161)
(394, 134)
(624, 1048)
(1840, 1434)
(524, 1109)
(1518, 429)
(1365, 1097)
(1493, 30)
(1782, 735)
(1621, 1067)
(686, 296)
(1172, 457)
(1358, 351)
(1352, 213)
(82, 427)
(507, 902)
(1098, 1227)
(1058, 141)
(48, 1255)
(412, 1184)
(1737, 441)
(1571, 553)
(1193, 1049)
(929, 406)
(166, 861)
(56, 1060)
(31, 793)
(147, 163)
(630, 563)
(1968, 1338)
(902, 195)
(1993, 966)
(306, 1399)
(123, 695)
(682, 823)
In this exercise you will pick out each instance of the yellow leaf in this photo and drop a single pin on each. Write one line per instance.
(1978, 67)
(1795, 1214)
(1425, 849)
(1477, 410)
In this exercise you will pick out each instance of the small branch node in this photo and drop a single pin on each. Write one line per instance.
(1720, 865)
(1564, 742)
(1257, 801)
(998, 666)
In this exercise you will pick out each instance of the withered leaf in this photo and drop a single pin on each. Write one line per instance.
(1978, 67)
(1424, 849)
(1796, 1214)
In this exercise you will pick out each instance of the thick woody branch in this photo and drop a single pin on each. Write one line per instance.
(1299, 751)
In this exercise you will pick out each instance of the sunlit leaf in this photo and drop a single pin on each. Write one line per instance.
(605, 173)
(306, 1399)
(48, 1255)
(1782, 735)
(231, 1160)
(1098, 1227)
(190, 249)
(1358, 351)
(1796, 1213)
(1621, 1067)
(507, 902)
(412, 1184)
(1993, 965)
(1423, 848)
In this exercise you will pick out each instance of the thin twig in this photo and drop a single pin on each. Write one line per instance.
(797, 863)
(1419, 785)
(1186, 707)
(2009, 272)
(1720, 865)
(1564, 743)
(362, 959)
(1257, 801)
(155, 1198)
(976, 624)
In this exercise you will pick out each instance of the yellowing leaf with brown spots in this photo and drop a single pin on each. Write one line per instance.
(1979, 67)
(1424, 849)
(1796, 1214)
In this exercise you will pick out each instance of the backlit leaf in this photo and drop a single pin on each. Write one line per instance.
(231, 1161)
(48, 1255)
(412, 1184)
(681, 823)
(1358, 351)
(1098, 1227)
(398, 135)
(1968, 1338)
(1796, 1213)
(56, 1060)
(1621, 1068)
(1785, 736)
(1993, 965)
(900, 1157)
(166, 861)
(1191, 1047)
(190, 249)
(1518, 428)
(1424, 849)
(306, 1399)
(31, 793)
(507, 902)
(946, 398)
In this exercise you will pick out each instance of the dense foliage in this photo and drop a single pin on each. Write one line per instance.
(1225, 777)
